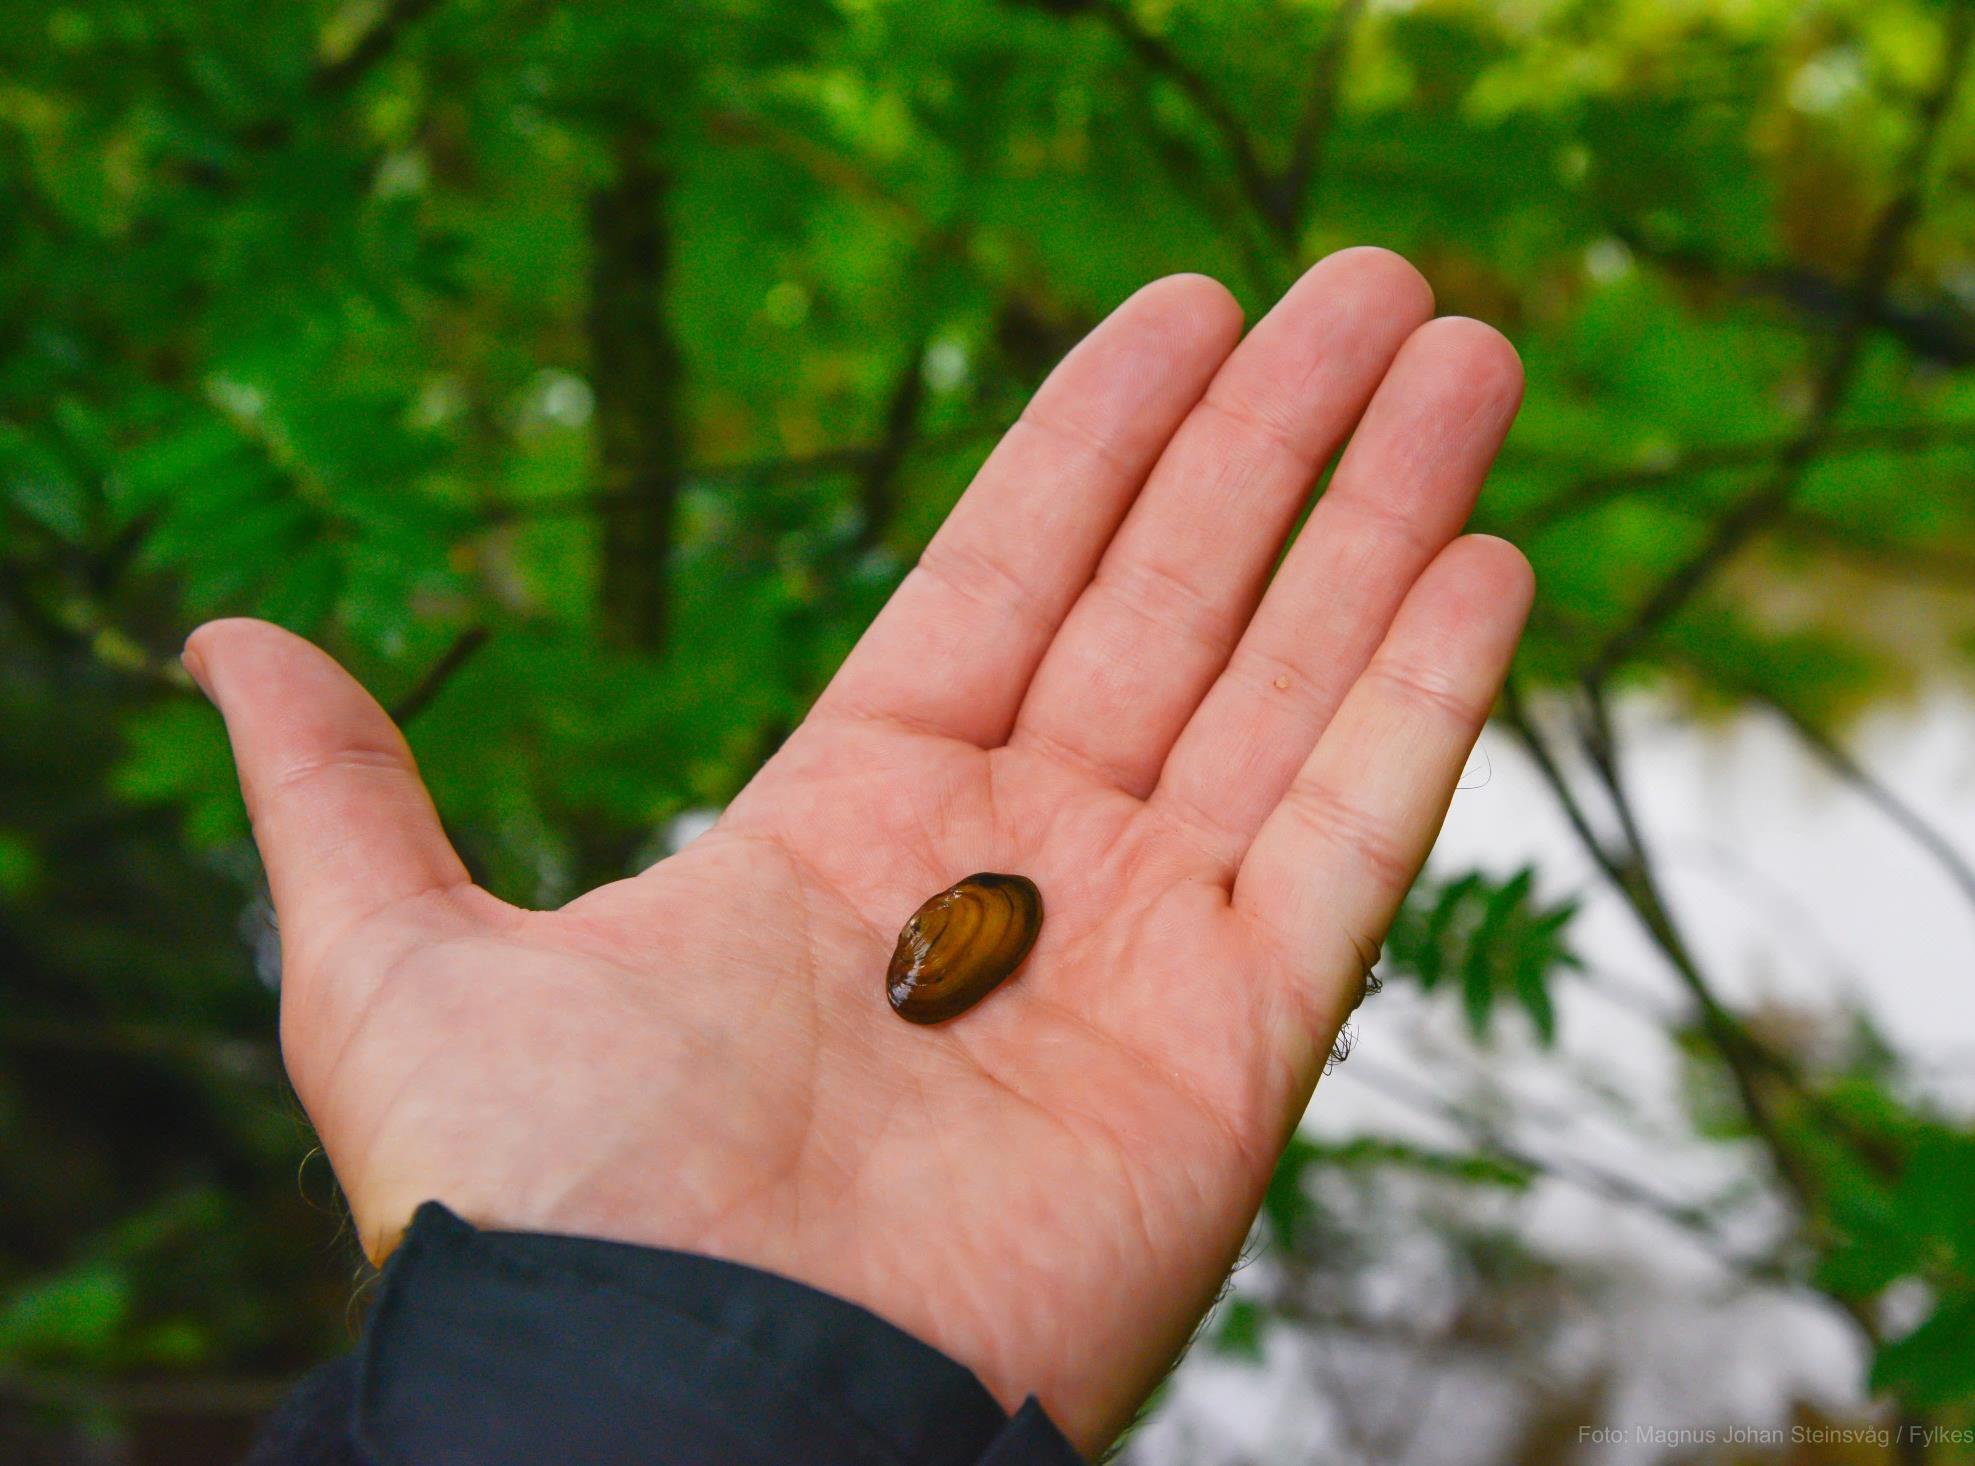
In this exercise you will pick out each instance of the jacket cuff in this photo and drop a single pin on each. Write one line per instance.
(512, 1347)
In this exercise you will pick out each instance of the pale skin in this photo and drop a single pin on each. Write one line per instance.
(1222, 781)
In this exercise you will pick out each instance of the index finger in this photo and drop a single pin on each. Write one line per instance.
(954, 649)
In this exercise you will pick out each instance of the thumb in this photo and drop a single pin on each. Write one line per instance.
(342, 819)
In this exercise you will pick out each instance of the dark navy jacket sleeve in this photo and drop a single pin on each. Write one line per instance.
(520, 1349)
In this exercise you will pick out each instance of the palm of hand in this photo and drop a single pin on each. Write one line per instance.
(1051, 1187)
(1085, 1147)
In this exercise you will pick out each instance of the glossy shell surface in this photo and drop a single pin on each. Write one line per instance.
(961, 945)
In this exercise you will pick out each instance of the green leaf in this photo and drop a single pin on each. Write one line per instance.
(1463, 1166)
(190, 462)
(1499, 939)
(1934, 1366)
(1287, 1204)
(72, 1318)
(1239, 1329)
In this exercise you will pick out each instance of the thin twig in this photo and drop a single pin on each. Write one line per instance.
(1874, 552)
(753, 470)
(1162, 59)
(1600, 486)
(1630, 873)
(82, 631)
(438, 675)
(1007, 263)
(1882, 255)
(1850, 771)
(1900, 561)
(834, 170)
(1584, 1175)
(1299, 180)
(1934, 329)
(372, 47)
(852, 457)
(328, 81)
(1959, 869)
(877, 484)
(1267, 266)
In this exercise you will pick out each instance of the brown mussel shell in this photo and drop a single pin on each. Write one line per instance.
(960, 945)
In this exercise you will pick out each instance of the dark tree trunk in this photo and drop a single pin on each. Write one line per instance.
(635, 367)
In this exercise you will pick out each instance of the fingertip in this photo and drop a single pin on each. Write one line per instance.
(1498, 564)
(214, 646)
(208, 647)
(1374, 270)
(1490, 359)
(1198, 304)
(242, 630)
(195, 668)
(1477, 592)
(193, 656)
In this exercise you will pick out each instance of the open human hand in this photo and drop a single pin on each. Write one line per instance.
(1222, 782)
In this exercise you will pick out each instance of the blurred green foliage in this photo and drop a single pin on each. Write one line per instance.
(1492, 939)
(613, 360)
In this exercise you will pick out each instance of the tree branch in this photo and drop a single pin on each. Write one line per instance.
(1958, 868)
(877, 497)
(1584, 1175)
(438, 675)
(1298, 184)
(1601, 485)
(80, 629)
(1161, 59)
(1006, 263)
(1630, 873)
(372, 48)
(1935, 330)
(1263, 260)
(1896, 558)
(1882, 254)
(1849, 771)
(848, 458)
